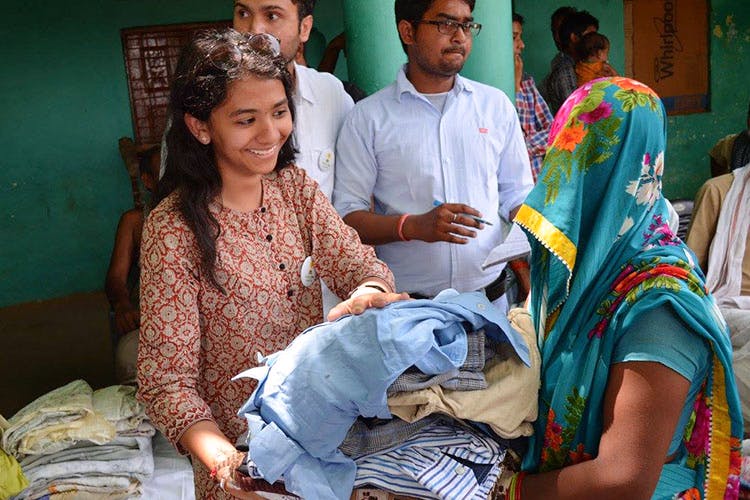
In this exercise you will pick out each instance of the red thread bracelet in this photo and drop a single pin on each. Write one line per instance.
(400, 227)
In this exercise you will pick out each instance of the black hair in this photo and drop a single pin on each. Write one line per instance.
(145, 157)
(206, 67)
(562, 12)
(518, 18)
(304, 7)
(575, 24)
(590, 44)
(413, 10)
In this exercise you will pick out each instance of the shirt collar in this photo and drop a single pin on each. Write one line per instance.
(304, 90)
(404, 86)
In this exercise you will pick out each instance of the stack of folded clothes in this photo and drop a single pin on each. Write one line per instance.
(421, 399)
(77, 443)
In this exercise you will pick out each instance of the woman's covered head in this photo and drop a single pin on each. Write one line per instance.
(599, 189)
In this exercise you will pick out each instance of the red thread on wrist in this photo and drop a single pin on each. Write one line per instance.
(400, 227)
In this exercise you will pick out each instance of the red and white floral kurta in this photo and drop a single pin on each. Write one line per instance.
(194, 338)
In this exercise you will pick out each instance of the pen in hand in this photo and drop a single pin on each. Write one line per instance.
(437, 203)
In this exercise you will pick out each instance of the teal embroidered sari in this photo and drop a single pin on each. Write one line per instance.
(601, 248)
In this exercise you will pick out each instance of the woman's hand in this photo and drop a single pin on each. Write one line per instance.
(234, 489)
(360, 302)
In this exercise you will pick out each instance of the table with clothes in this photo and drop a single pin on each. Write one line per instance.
(74, 442)
(423, 398)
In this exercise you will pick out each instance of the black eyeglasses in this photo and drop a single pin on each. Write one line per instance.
(448, 27)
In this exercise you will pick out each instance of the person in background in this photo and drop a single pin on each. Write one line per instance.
(330, 58)
(720, 237)
(122, 281)
(429, 164)
(561, 80)
(731, 152)
(637, 398)
(227, 270)
(556, 20)
(310, 53)
(593, 58)
(533, 112)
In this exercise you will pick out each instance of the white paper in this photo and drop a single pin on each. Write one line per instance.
(515, 246)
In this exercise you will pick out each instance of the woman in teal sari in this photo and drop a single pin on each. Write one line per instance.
(637, 397)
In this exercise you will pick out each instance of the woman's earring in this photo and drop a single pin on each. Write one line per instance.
(204, 139)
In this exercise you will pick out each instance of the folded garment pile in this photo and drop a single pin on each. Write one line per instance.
(420, 398)
(75, 442)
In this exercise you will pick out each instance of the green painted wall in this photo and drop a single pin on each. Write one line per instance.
(64, 102)
(491, 60)
(690, 136)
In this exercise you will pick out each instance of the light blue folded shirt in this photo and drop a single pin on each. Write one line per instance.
(310, 394)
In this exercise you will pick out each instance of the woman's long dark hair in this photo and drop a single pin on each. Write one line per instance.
(206, 68)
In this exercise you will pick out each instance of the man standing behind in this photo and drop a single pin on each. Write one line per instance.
(441, 156)
(562, 80)
(533, 112)
(719, 235)
(320, 100)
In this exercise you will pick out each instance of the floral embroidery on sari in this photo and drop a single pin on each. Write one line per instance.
(558, 438)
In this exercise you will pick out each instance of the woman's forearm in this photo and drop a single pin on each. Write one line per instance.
(204, 441)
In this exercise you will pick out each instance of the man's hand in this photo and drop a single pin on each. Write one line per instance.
(447, 222)
(360, 303)
(127, 318)
(518, 69)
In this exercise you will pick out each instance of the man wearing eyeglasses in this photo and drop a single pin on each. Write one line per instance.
(441, 156)
(320, 100)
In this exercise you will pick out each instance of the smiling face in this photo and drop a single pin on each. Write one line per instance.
(279, 18)
(248, 129)
(431, 52)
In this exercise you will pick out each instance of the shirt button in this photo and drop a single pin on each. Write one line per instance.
(269, 237)
(290, 293)
(282, 266)
(459, 470)
(262, 210)
(481, 306)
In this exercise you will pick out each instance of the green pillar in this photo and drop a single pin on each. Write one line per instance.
(491, 60)
(373, 48)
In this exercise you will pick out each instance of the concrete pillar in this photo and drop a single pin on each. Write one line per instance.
(373, 48)
(491, 60)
